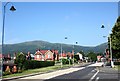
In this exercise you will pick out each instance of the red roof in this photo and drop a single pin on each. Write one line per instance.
(43, 51)
(63, 55)
(56, 51)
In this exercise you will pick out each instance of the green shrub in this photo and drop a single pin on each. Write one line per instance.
(6, 73)
(76, 57)
(20, 60)
(19, 71)
(32, 64)
(66, 61)
(116, 63)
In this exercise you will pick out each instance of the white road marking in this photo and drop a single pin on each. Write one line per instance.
(93, 70)
(96, 64)
(94, 76)
(97, 79)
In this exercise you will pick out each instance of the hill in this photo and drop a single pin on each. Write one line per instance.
(32, 46)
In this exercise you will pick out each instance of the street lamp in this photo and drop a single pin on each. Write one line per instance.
(73, 52)
(112, 65)
(61, 55)
(61, 52)
(11, 9)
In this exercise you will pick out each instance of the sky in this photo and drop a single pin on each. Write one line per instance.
(53, 21)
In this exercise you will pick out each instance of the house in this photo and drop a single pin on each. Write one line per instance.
(8, 64)
(63, 55)
(66, 55)
(80, 56)
(99, 58)
(39, 55)
(32, 56)
(43, 55)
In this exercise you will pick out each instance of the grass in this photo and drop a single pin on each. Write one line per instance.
(117, 67)
(39, 70)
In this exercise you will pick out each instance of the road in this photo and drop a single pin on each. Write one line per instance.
(85, 73)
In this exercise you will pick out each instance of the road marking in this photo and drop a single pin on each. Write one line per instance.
(97, 79)
(93, 70)
(94, 75)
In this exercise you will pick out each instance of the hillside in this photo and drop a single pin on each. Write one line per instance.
(33, 45)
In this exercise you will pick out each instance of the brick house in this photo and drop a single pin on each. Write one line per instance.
(43, 55)
(65, 55)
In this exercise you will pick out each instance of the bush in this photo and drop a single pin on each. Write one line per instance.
(6, 73)
(108, 64)
(20, 60)
(66, 61)
(116, 63)
(32, 64)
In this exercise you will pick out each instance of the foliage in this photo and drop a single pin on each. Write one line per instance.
(32, 64)
(66, 61)
(116, 63)
(92, 56)
(115, 39)
(76, 57)
(6, 73)
(20, 61)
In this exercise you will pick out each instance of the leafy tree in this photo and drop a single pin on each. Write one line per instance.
(101, 54)
(76, 57)
(20, 60)
(115, 39)
(92, 56)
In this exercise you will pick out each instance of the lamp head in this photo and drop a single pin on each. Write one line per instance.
(102, 26)
(12, 8)
(65, 37)
(76, 42)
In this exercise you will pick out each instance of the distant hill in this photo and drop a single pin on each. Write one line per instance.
(32, 46)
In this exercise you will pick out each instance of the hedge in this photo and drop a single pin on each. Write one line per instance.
(116, 63)
(32, 64)
(66, 61)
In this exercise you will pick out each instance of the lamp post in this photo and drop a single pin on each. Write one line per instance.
(112, 65)
(61, 53)
(73, 52)
(11, 9)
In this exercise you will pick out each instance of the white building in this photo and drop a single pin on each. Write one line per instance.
(80, 56)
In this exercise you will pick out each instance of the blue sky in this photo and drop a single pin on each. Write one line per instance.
(53, 21)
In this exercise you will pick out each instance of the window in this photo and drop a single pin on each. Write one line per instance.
(37, 56)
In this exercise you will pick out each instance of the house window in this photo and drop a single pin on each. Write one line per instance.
(37, 56)
(42, 57)
(49, 56)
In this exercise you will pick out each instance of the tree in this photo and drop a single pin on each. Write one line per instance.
(20, 60)
(115, 39)
(92, 56)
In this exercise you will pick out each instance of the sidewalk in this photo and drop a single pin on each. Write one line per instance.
(108, 70)
(58, 71)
